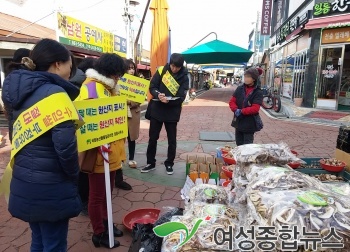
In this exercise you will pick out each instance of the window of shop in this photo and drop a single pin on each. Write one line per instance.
(300, 62)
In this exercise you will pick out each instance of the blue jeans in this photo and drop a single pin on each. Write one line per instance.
(49, 236)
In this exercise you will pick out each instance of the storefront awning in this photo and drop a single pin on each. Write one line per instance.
(294, 33)
(328, 22)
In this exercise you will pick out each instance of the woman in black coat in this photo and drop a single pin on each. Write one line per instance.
(245, 103)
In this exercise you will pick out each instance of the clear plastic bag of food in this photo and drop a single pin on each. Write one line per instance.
(203, 237)
(281, 178)
(202, 210)
(274, 154)
(210, 194)
(315, 210)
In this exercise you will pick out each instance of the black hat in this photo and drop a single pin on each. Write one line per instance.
(252, 72)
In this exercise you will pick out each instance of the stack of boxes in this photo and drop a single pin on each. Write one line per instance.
(205, 169)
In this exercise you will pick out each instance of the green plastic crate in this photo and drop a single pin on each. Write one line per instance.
(315, 171)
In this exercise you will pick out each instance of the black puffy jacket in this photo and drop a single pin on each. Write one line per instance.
(246, 123)
(46, 170)
(171, 111)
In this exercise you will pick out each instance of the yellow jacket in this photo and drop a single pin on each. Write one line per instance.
(98, 86)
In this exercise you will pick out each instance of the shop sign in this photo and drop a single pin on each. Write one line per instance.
(266, 17)
(73, 32)
(335, 7)
(340, 35)
(291, 26)
(329, 72)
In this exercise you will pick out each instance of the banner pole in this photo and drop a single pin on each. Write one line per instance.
(108, 196)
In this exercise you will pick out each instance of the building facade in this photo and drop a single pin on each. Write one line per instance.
(310, 52)
(289, 51)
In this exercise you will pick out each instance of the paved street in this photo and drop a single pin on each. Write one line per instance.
(209, 112)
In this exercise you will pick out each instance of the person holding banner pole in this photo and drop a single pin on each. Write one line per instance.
(45, 167)
(134, 117)
(78, 80)
(101, 82)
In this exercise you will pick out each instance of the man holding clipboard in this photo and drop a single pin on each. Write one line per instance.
(168, 87)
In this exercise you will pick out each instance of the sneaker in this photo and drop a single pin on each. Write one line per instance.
(148, 168)
(169, 170)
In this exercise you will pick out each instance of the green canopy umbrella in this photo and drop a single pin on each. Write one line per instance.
(217, 51)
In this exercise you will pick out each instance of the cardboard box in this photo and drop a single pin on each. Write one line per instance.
(207, 168)
(343, 156)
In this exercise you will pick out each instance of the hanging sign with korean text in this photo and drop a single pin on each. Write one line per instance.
(328, 8)
(334, 36)
(133, 88)
(76, 33)
(105, 121)
(40, 118)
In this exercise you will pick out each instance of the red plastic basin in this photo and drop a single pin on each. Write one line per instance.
(226, 183)
(227, 172)
(142, 215)
(228, 160)
(332, 168)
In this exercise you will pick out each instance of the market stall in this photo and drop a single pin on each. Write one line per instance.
(266, 205)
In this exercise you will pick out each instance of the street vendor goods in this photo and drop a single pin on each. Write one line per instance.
(209, 194)
(332, 165)
(310, 209)
(203, 238)
(274, 154)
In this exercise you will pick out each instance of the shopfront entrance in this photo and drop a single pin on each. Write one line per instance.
(330, 71)
(333, 90)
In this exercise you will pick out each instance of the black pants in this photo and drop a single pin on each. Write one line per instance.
(131, 147)
(154, 130)
(83, 186)
(244, 138)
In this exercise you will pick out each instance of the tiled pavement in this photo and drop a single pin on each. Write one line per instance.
(209, 112)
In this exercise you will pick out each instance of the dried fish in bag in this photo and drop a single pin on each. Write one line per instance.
(209, 194)
(315, 210)
(282, 178)
(276, 154)
(202, 210)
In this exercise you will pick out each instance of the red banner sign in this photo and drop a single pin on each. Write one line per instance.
(266, 17)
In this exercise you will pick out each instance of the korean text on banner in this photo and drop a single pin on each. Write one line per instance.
(40, 118)
(170, 83)
(133, 88)
(105, 121)
(76, 33)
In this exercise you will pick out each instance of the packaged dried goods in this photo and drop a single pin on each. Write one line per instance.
(210, 194)
(274, 154)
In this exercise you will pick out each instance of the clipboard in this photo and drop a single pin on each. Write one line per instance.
(169, 98)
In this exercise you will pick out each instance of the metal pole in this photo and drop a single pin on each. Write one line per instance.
(139, 31)
(216, 37)
(108, 195)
